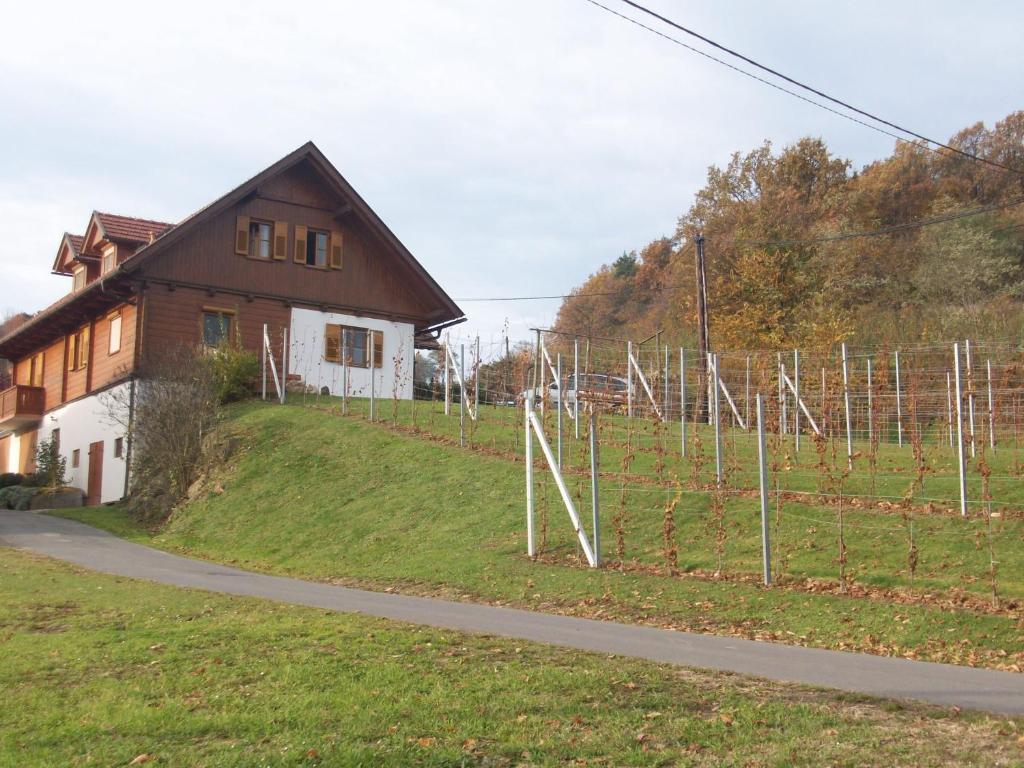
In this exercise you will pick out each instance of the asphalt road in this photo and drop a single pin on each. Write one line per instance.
(940, 684)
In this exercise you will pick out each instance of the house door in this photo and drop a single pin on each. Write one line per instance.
(95, 489)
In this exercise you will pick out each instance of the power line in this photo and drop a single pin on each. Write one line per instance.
(940, 219)
(751, 75)
(794, 82)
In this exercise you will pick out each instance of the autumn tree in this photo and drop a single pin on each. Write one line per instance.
(783, 269)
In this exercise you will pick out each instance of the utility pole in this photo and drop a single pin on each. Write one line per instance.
(702, 330)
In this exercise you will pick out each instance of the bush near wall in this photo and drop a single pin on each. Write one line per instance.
(16, 497)
(235, 372)
(24, 497)
(11, 478)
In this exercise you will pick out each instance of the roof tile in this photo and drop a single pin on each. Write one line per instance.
(131, 229)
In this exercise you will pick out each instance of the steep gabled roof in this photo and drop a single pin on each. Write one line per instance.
(70, 248)
(159, 235)
(448, 311)
(124, 230)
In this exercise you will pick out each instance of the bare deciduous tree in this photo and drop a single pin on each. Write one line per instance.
(166, 416)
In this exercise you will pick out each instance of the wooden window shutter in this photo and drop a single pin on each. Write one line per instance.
(280, 250)
(332, 343)
(300, 244)
(336, 249)
(242, 235)
(72, 353)
(378, 349)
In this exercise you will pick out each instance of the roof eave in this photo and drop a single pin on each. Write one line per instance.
(73, 301)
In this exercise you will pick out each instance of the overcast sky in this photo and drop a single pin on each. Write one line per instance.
(513, 146)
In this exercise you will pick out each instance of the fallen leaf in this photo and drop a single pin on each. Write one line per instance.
(145, 757)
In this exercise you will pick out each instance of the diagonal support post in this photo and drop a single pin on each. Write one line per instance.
(563, 490)
(450, 360)
(563, 402)
(647, 387)
(713, 361)
(803, 406)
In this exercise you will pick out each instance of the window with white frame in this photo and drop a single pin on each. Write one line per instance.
(259, 239)
(114, 343)
(109, 259)
(316, 248)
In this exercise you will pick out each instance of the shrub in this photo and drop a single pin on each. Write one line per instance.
(50, 465)
(175, 407)
(16, 497)
(10, 478)
(235, 371)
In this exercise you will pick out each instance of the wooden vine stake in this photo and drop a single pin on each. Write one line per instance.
(986, 494)
(668, 529)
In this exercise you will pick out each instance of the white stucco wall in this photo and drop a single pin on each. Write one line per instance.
(84, 422)
(306, 357)
(12, 449)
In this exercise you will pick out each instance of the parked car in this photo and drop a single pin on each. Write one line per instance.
(593, 387)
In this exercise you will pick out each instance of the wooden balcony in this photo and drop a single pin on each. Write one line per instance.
(21, 406)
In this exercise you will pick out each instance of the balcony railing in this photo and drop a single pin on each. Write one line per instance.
(21, 406)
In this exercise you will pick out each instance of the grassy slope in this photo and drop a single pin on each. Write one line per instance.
(500, 429)
(951, 552)
(100, 670)
(338, 499)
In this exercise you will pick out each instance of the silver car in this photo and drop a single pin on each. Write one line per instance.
(598, 387)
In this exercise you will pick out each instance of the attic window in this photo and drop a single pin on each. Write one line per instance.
(259, 239)
(316, 249)
(78, 280)
(109, 259)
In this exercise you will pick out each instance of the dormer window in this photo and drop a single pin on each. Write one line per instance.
(78, 279)
(109, 259)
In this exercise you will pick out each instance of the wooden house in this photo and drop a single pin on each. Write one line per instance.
(294, 249)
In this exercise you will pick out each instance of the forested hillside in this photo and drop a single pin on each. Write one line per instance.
(781, 273)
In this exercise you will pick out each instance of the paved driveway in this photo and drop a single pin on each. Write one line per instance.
(941, 684)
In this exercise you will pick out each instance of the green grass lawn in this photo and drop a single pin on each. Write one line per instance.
(105, 671)
(318, 495)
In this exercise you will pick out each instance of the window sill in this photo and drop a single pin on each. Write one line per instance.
(353, 367)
